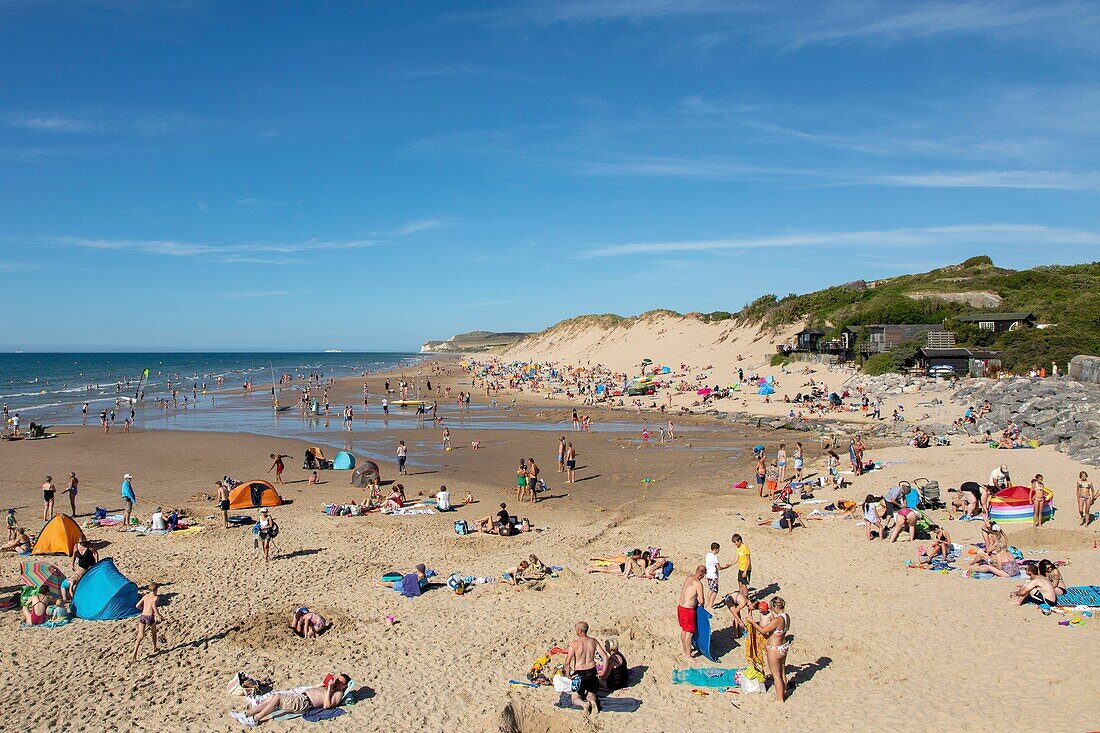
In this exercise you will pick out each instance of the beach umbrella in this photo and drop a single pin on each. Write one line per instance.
(647, 361)
(34, 573)
(703, 392)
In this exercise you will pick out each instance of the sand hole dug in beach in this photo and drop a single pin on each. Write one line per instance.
(270, 630)
(521, 717)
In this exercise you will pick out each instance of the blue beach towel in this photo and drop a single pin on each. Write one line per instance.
(607, 704)
(1081, 595)
(705, 677)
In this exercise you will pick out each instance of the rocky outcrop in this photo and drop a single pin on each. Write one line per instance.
(1085, 369)
(1060, 411)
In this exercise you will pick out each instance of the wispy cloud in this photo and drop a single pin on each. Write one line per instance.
(252, 252)
(149, 125)
(726, 169)
(790, 26)
(258, 201)
(992, 234)
(467, 70)
(416, 226)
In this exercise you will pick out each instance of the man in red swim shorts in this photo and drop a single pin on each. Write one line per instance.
(691, 595)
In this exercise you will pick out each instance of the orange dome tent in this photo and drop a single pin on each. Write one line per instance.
(252, 494)
(58, 537)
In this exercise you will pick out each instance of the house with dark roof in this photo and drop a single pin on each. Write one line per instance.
(961, 359)
(1000, 322)
(883, 337)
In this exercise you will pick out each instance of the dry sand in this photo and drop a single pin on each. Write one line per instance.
(876, 644)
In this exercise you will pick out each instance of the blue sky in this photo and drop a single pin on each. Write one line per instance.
(368, 175)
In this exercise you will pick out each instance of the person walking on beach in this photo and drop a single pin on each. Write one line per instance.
(268, 530)
(446, 438)
(561, 454)
(277, 466)
(781, 461)
(576, 420)
(84, 414)
(402, 456)
(48, 491)
(580, 663)
(1086, 497)
(223, 501)
(74, 484)
(799, 461)
(691, 595)
(348, 417)
(386, 404)
(570, 464)
(149, 615)
(129, 497)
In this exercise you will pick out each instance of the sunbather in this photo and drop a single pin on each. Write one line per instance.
(1038, 589)
(323, 696)
(1000, 563)
(411, 584)
(617, 565)
(34, 609)
(21, 543)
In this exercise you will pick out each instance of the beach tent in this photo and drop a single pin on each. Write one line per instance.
(41, 574)
(766, 389)
(1011, 506)
(253, 494)
(105, 594)
(58, 537)
(343, 461)
(666, 370)
(365, 474)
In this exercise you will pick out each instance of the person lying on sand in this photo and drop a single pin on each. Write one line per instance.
(324, 696)
(788, 520)
(411, 584)
(633, 563)
(1000, 563)
(1038, 589)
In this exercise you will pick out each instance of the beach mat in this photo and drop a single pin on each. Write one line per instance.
(705, 677)
(607, 704)
(701, 638)
(1081, 595)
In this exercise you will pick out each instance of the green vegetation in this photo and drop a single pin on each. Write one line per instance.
(1066, 296)
(780, 360)
(879, 364)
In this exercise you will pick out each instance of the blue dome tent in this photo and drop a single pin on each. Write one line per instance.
(343, 461)
(766, 389)
(105, 594)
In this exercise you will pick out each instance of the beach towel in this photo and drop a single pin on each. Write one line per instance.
(754, 650)
(316, 715)
(407, 512)
(1081, 595)
(186, 532)
(705, 677)
(701, 638)
(607, 704)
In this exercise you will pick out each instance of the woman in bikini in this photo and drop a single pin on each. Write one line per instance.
(778, 644)
(1086, 495)
(1038, 497)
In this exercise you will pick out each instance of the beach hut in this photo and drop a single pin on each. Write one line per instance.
(105, 594)
(58, 537)
(1011, 506)
(343, 461)
(252, 494)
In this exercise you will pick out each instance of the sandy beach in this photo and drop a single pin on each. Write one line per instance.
(866, 627)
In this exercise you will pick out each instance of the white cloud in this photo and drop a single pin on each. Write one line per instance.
(54, 123)
(992, 234)
(252, 252)
(417, 226)
(258, 201)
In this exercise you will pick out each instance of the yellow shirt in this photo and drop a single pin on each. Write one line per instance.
(743, 557)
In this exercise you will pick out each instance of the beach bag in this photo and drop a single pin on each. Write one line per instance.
(749, 686)
(242, 685)
(100, 513)
(461, 528)
(566, 684)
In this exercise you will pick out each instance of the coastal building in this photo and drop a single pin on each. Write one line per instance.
(976, 362)
(1000, 322)
(883, 337)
